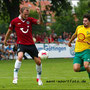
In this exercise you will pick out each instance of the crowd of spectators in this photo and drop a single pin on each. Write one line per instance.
(38, 38)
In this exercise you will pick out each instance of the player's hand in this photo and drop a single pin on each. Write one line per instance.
(38, 9)
(69, 44)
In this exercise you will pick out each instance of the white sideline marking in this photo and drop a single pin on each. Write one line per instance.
(24, 77)
(52, 77)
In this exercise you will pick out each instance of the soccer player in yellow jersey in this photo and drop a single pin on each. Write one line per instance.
(82, 47)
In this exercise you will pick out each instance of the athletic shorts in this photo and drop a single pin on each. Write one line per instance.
(81, 57)
(30, 49)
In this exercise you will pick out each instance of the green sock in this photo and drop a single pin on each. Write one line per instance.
(82, 68)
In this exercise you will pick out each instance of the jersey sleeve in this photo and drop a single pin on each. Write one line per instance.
(33, 20)
(76, 30)
(12, 25)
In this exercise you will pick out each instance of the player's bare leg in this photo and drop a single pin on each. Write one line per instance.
(78, 68)
(38, 69)
(87, 67)
(17, 67)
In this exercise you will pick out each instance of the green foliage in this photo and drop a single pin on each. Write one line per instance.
(82, 8)
(3, 27)
(59, 5)
(64, 23)
(36, 28)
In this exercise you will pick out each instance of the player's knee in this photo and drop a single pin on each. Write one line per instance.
(20, 58)
(76, 69)
(39, 62)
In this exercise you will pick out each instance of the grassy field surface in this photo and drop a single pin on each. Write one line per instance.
(56, 74)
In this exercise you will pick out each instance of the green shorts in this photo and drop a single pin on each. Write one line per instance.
(81, 57)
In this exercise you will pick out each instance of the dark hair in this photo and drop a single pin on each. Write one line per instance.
(23, 8)
(87, 16)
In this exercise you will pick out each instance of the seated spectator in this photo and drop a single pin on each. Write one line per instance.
(56, 40)
(2, 52)
(42, 38)
(46, 40)
(1, 55)
(38, 39)
(9, 51)
(34, 39)
(66, 41)
(51, 40)
(60, 40)
(3, 36)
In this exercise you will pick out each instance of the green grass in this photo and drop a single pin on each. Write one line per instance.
(56, 74)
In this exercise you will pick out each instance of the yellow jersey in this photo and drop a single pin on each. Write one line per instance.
(81, 46)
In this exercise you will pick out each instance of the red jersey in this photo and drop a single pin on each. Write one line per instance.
(23, 30)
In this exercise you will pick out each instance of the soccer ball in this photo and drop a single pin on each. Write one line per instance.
(43, 54)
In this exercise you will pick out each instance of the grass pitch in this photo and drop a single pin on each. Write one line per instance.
(56, 74)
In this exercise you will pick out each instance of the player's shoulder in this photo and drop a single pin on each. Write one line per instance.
(15, 19)
(80, 26)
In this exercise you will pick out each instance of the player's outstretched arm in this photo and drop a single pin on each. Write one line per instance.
(72, 38)
(40, 20)
(7, 36)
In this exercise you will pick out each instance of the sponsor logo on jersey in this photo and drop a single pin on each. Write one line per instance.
(23, 30)
(28, 22)
(19, 23)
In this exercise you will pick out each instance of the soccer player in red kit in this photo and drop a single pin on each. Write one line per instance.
(23, 27)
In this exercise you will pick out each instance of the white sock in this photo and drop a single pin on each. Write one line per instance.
(17, 67)
(39, 70)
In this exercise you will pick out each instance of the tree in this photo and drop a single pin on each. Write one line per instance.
(12, 6)
(82, 8)
(36, 28)
(65, 23)
(58, 6)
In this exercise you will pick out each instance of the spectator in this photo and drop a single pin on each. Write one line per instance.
(38, 39)
(60, 40)
(9, 51)
(51, 40)
(2, 53)
(53, 33)
(3, 36)
(34, 39)
(42, 38)
(46, 39)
